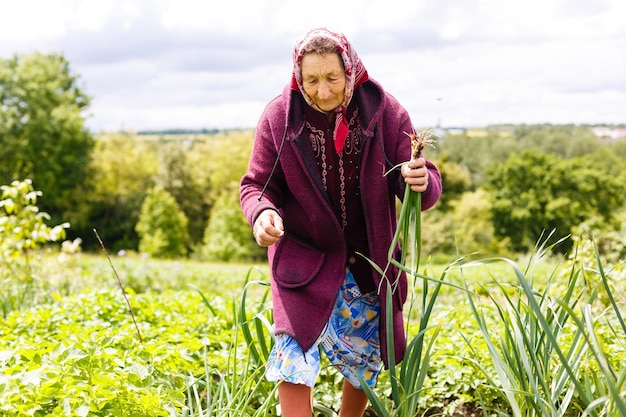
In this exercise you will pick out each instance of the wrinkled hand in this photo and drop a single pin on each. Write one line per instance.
(268, 228)
(415, 174)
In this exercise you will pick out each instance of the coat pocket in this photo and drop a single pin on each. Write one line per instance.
(296, 263)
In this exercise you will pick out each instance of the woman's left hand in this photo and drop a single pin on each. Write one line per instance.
(415, 174)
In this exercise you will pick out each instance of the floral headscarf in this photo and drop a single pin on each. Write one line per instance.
(355, 75)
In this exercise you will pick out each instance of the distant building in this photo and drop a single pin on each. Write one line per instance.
(455, 130)
(609, 133)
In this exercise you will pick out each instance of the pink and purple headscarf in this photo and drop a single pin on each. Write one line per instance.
(355, 75)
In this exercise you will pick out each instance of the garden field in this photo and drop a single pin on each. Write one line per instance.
(540, 336)
(82, 334)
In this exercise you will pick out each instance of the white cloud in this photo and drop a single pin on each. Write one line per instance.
(36, 20)
(177, 63)
(232, 16)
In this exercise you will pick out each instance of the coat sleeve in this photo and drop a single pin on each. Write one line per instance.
(260, 187)
(433, 192)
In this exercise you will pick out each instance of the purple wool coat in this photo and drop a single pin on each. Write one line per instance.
(308, 264)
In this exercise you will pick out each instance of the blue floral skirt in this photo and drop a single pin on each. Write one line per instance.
(350, 340)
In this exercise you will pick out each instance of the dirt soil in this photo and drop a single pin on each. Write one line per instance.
(463, 410)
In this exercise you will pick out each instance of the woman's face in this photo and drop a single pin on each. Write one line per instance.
(324, 80)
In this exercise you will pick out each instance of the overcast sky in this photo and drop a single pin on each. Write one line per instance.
(161, 64)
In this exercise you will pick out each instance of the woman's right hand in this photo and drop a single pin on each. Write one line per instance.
(268, 228)
(415, 174)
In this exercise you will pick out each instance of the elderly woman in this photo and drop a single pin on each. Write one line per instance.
(317, 196)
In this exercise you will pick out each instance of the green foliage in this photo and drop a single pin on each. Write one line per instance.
(550, 357)
(175, 177)
(610, 239)
(471, 216)
(228, 236)
(456, 180)
(200, 169)
(217, 166)
(196, 170)
(242, 388)
(22, 225)
(22, 230)
(162, 226)
(221, 162)
(121, 171)
(465, 228)
(42, 132)
(476, 153)
(533, 192)
(196, 341)
(565, 141)
(546, 345)
(610, 158)
(477, 150)
(79, 356)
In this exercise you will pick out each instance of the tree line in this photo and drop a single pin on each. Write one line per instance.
(506, 187)
(175, 193)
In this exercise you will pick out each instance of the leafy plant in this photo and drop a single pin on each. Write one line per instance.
(188, 338)
(79, 355)
(22, 230)
(545, 348)
(241, 388)
(407, 384)
(22, 225)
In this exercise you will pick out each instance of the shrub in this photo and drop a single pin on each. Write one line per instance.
(162, 226)
(22, 229)
(227, 236)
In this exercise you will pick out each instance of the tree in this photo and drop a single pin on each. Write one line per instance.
(175, 177)
(42, 132)
(228, 236)
(122, 169)
(536, 192)
(456, 180)
(476, 153)
(217, 166)
(162, 226)
(221, 161)
(473, 226)
(565, 141)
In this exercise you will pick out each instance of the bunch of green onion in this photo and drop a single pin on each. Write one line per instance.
(409, 230)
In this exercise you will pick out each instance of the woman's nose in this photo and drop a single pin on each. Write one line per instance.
(323, 91)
